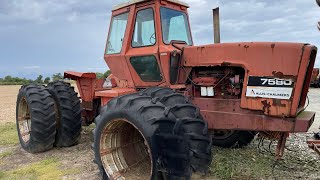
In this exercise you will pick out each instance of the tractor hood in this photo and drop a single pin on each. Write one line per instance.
(286, 62)
(258, 57)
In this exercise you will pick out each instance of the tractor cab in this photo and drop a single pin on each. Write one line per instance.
(138, 48)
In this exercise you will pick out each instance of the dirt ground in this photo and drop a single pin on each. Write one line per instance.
(8, 97)
(80, 157)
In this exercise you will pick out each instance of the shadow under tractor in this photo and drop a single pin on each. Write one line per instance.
(167, 101)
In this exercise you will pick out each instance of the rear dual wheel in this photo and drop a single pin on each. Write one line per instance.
(68, 113)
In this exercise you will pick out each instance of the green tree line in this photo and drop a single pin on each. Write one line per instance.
(9, 80)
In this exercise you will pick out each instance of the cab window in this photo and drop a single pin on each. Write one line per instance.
(117, 32)
(147, 68)
(175, 26)
(144, 31)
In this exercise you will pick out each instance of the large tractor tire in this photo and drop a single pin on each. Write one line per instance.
(232, 138)
(190, 121)
(35, 118)
(225, 139)
(68, 113)
(135, 138)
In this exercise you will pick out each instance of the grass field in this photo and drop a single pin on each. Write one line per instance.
(76, 162)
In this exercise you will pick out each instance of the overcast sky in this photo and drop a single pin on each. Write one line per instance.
(48, 36)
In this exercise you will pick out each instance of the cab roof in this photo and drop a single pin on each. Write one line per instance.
(122, 5)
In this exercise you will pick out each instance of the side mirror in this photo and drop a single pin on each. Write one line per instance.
(174, 66)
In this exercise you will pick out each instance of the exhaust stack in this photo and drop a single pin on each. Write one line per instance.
(216, 25)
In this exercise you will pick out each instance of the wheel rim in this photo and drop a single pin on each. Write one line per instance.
(221, 134)
(124, 151)
(24, 120)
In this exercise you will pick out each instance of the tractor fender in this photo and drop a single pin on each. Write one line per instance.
(85, 83)
(76, 75)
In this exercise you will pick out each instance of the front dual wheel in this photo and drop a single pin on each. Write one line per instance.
(141, 137)
(35, 118)
(48, 116)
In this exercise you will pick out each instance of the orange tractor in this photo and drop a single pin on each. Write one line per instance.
(168, 101)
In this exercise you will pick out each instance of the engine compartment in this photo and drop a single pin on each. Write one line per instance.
(217, 82)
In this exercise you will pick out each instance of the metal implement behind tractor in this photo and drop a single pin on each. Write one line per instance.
(315, 79)
(168, 101)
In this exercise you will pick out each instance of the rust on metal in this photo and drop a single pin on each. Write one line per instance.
(205, 81)
(117, 175)
(316, 148)
(22, 118)
(278, 102)
(24, 121)
(25, 133)
(107, 151)
(272, 135)
(281, 144)
(235, 117)
(280, 137)
(266, 106)
(273, 45)
(280, 75)
(226, 64)
(122, 148)
(314, 145)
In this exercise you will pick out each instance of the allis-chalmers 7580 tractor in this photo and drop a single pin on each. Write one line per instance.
(168, 101)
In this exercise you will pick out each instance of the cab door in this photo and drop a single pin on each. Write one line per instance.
(143, 53)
